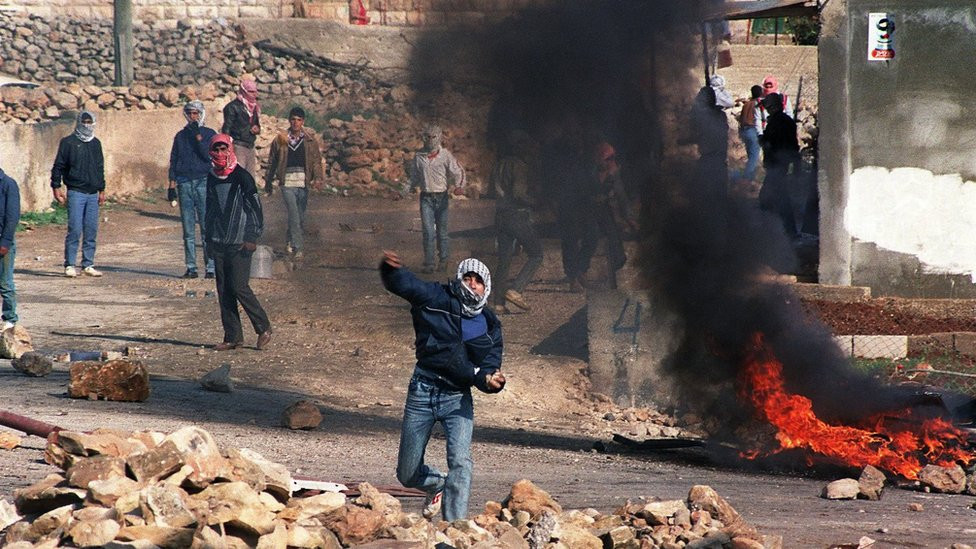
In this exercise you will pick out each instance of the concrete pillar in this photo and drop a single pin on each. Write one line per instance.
(834, 143)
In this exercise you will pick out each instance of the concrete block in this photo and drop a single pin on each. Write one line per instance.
(846, 344)
(965, 343)
(629, 338)
(880, 346)
(826, 292)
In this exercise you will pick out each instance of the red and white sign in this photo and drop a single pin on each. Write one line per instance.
(881, 36)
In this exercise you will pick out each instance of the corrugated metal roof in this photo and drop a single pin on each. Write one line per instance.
(758, 9)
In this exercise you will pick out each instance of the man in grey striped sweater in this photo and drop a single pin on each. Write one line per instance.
(234, 224)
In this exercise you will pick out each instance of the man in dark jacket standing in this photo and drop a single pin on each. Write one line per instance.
(781, 154)
(242, 121)
(189, 164)
(458, 345)
(9, 218)
(234, 224)
(81, 166)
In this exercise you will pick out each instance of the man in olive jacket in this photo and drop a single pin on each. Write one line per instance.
(295, 162)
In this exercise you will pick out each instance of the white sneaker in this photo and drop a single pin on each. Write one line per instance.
(70, 271)
(432, 504)
(6, 325)
(91, 271)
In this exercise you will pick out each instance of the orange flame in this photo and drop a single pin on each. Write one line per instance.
(903, 451)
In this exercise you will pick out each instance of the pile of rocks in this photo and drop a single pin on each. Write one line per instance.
(932, 478)
(180, 490)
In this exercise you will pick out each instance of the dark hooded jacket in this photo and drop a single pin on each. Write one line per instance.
(9, 209)
(442, 356)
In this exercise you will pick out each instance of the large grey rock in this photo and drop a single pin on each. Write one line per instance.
(218, 380)
(33, 364)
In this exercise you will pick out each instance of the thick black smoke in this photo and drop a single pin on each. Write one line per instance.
(627, 72)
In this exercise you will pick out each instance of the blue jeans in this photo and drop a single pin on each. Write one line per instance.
(433, 218)
(193, 211)
(82, 221)
(428, 403)
(296, 201)
(7, 289)
(750, 138)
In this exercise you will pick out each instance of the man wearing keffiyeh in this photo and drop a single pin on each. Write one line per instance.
(242, 121)
(189, 163)
(458, 345)
(80, 165)
(295, 162)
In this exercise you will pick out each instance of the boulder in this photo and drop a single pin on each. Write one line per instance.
(218, 380)
(951, 480)
(14, 342)
(871, 483)
(84, 471)
(9, 441)
(845, 488)
(95, 533)
(354, 525)
(33, 364)
(163, 537)
(299, 510)
(47, 494)
(118, 380)
(303, 414)
(235, 504)
(201, 453)
(704, 498)
(526, 496)
(165, 505)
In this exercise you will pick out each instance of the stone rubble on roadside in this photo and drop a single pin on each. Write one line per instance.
(149, 489)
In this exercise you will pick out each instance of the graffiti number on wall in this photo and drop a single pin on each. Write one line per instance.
(620, 328)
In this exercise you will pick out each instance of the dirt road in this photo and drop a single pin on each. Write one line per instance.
(341, 340)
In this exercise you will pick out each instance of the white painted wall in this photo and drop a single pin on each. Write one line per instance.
(916, 212)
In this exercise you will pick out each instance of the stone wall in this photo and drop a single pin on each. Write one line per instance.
(166, 12)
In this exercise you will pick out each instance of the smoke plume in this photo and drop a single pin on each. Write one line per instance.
(627, 73)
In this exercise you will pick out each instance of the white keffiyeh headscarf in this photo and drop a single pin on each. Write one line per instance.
(471, 303)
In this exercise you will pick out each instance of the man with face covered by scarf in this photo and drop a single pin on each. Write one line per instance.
(434, 170)
(458, 345)
(234, 223)
(189, 164)
(242, 121)
(80, 165)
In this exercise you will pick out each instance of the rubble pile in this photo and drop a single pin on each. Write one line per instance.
(180, 490)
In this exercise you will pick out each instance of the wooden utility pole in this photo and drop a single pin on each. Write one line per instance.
(122, 39)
